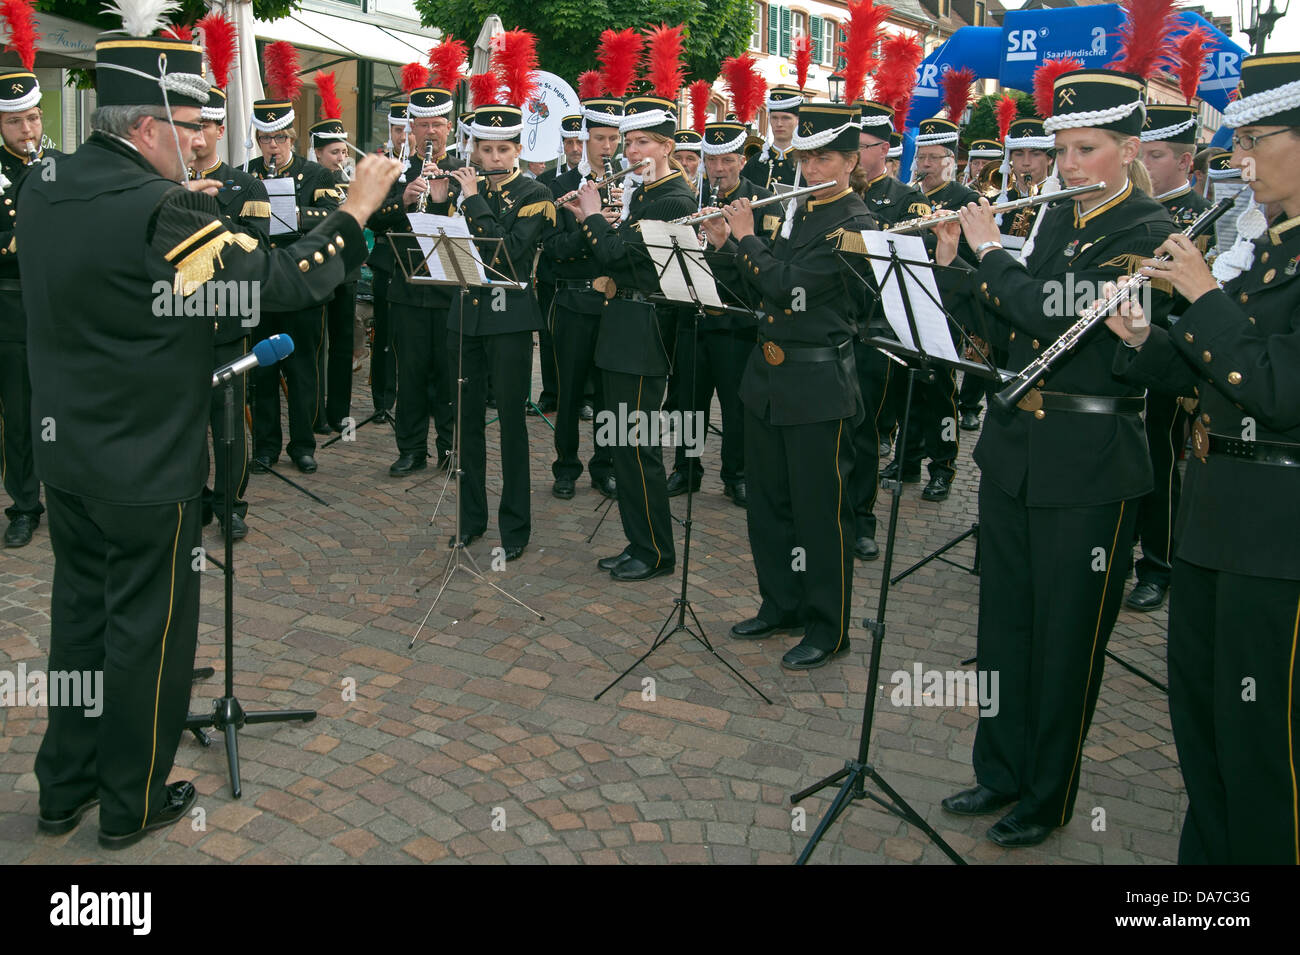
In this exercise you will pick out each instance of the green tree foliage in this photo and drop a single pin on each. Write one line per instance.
(983, 118)
(568, 30)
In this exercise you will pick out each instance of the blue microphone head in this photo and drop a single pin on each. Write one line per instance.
(272, 349)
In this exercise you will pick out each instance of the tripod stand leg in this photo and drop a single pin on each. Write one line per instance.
(839, 804)
(232, 759)
(660, 639)
(901, 807)
(607, 504)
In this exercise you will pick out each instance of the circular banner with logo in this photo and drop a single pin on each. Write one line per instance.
(554, 100)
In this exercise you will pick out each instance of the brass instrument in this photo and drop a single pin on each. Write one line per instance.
(423, 204)
(1024, 219)
(989, 182)
(950, 215)
(698, 217)
(1019, 386)
(601, 182)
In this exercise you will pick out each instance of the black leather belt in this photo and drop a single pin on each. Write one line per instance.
(1091, 404)
(578, 284)
(775, 354)
(1259, 452)
(10, 285)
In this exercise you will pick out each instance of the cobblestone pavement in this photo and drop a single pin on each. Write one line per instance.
(484, 744)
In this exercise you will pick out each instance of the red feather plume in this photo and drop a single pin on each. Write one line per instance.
(485, 88)
(746, 86)
(330, 107)
(414, 76)
(447, 60)
(22, 30)
(178, 32)
(1144, 44)
(282, 79)
(956, 91)
(802, 58)
(895, 79)
(220, 44)
(664, 47)
(863, 30)
(516, 59)
(1006, 111)
(590, 84)
(1045, 79)
(700, 91)
(1191, 51)
(619, 55)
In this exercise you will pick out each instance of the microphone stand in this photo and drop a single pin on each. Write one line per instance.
(227, 716)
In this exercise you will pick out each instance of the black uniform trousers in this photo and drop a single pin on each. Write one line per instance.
(16, 461)
(574, 335)
(715, 363)
(932, 424)
(1238, 743)
(214, 499)
(971, 395)
(425, 363)
(546, 342)
(639, 471)
(334, 372)
(306, 327)
(508, 359)
(125, 601)
(1165, 419)
(1051, 582)
(875, 374)
(383, 360)
(800, 520)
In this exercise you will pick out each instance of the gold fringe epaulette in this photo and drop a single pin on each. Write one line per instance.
(254, 209)
(846, 241)
(543, 208)
(199, 265)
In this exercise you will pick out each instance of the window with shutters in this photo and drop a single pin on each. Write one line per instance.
(945, 9)
(785, 31)
(840, 61)
(828, 41)
(981, 12)
(756, 35)
(815, 31)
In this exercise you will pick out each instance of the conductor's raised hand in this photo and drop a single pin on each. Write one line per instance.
(374, 176)
(208, 186)
(740, 218)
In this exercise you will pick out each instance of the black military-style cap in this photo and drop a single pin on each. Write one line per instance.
(1097, 99)
(327, 131)
(603, 111)
(397, 113)
(985, 149)
(877, 118)
(216, 108)
(895, 145)
(1221, 168)
(429, 101)
(687, 139)
(937, 131)
(785, 99)
(723, 138)
(19, 91)
(653, 114)
(1169, 123)
(1028, 133)
(828, 126)
(272, 115)
(133, 71)
(1269, 91)
(571, 127)
(497, 121)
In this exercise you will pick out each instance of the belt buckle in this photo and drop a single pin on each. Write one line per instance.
(1200, 440)
(773, 353)
(1032, 401)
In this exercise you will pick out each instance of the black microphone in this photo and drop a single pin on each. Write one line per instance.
(266, 352)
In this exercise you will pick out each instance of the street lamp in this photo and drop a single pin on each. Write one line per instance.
(836, 83)
(1261, 21)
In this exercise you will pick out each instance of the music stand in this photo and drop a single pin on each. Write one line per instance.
(456, 272)
(227, 715)
(682, 603)
(857, 771)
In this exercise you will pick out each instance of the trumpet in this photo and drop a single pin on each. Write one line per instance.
(1018, 386)
(950, 215)
(606, 180)
(698, 217)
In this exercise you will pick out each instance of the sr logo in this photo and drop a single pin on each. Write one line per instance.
(1022, 45)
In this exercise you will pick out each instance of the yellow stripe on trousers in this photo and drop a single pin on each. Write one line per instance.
(1290, 738)
(645, 493)
(1092, 660)
(839, 524)
(162, 657)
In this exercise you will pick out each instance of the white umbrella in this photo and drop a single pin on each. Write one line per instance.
(483, 45)
(245, 80)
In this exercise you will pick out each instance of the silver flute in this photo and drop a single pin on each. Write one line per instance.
(699, 217)
(941, 216)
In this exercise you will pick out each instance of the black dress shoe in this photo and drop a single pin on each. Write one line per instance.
(263, 463)
(465, 540)
(970, 421)
(634, 569)
(890, 473)
(677, 484)
(884, 449)
(606, 485)
(977, 801)
(408, 464)
(547, 406)
(756, 628)
(57, 823)
(805, 657)
(586, 412)
(176, 805)
(305, 463)
(1145, 597)
(937, 489)
(609, 563)
(238, 529)
(1011, 832)
(562, 488)
(322, 429)
(514, 553)
(865, 548)
(738, 492)
(21, 529)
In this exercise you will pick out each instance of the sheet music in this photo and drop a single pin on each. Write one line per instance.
(930, 321)
(659, 238)
(427, 226)
(284, 205)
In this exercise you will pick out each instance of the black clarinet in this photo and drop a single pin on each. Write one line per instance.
(1094, 315)
(609, 187)
(428, 158)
